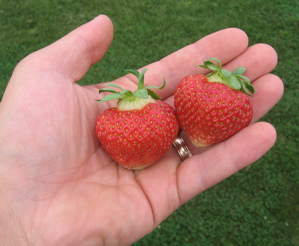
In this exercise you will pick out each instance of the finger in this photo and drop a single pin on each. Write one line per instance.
(268, 91)
(184, 61)
(258, 60)
(200, 172)
(73, 54)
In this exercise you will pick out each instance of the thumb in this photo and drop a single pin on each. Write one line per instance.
(73, 54)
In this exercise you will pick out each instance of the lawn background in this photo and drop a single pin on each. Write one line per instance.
(258, 205)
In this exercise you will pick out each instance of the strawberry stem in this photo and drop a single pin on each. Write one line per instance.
(235, 79)
(134, 98)
(133, 103)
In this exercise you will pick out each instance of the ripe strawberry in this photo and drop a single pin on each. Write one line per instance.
(140, 129)
(211, 108)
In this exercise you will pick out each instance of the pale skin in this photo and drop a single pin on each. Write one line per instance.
(58, 186)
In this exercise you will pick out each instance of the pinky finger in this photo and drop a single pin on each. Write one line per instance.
(268, 91)
(204, 170)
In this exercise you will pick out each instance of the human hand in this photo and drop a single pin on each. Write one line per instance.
(59, 187)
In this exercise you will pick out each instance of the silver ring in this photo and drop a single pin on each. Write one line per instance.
(182, 148)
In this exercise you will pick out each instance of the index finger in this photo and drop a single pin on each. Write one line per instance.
(225, 45)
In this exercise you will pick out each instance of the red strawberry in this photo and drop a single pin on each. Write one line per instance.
(140, 129)
(211, 108)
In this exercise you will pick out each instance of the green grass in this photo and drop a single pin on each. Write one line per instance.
(257, 206)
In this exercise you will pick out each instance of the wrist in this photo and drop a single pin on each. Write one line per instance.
(11, 229)
(14, 221)
(11, 236)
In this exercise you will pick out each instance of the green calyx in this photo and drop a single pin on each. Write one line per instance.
(234, 79)
(126, 96)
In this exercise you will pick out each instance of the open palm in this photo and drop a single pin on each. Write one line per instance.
(61, 186)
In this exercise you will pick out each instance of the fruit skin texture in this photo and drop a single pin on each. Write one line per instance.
(140, 129)
(137, 138)
(210, 112)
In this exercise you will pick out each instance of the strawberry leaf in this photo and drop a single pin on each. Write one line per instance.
(243, 87)
(132, 71)
(209, 65)
(141, 94)
(226, 73)
(156, 87)
(234, 83)
(140, 76)
(216, 60)
(153, 94)
(141, 79)
(243, 78)
(239, 71)
(107, 90)
(249, 87)
(234, 79)
(111, 97)
(124, 95)
(114, 85)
